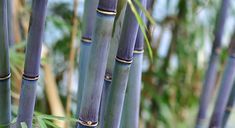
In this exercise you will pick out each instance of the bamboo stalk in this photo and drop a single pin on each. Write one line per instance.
(85, 46)
(210, 77)
(230, 103)
(130, 112)
(52, 93)
(225, 89)
(110, 65)
(71, 60)
(5, 97)
(94, 79)
(123, 62)
(32, 63)
(10, 25)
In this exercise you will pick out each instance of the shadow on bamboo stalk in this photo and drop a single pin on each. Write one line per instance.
(32, 63)
(85, 46)
(210, 77)
(94, 78)
(124, 57)
(5, 89)
(225, 89)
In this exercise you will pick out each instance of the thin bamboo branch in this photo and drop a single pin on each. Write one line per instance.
(71, 59)
(52, 93)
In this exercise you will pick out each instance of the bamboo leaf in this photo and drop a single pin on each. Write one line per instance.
(51, 124)
(41, 123)
(142, 27)
(23, 125)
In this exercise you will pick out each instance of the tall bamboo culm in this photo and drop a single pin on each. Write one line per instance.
(211, 73)
(225, 89)
(230, 104)
(32, 63)
(5, 97)
(111, 62)
(94, 78)
(131, 107)
(85, 46)
(123, 62)
(10, 23)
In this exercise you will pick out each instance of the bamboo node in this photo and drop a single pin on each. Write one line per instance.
(123, 61)
(87, 123)
(5, 77)
(106, 12)
(108, 77)
(86, 40)
(138, 51)
(30, 78)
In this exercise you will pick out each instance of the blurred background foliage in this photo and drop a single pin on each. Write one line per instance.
(181, 39)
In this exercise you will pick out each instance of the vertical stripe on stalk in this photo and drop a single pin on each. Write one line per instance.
(85, 46)
(94, 78)
(121, 69)
(5, 97)
(213, 64)
(130, 112)
(32, 63)
(225, 89)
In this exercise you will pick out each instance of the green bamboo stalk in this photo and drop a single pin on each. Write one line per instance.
(130, 112)
(210, 77)
(123, 62)
(32, 63)
(85, 46)
(225, 89)
(94, 78)
(5, 97)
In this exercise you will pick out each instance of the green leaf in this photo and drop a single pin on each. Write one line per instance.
(41, 123)
(23, 125)
(142, 27)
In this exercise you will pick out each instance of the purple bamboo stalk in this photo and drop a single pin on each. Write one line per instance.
(211, 72)
(123, 62)
(230, 103)
(85, 47)
(5, 97)
(32, 63)
(225, 90)
(94, 79)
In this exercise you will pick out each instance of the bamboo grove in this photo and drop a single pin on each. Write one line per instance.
(112, 36)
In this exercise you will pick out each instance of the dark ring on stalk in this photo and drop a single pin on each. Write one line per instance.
(138, 51)
(108, 77)
(87, 123)
(30, 78)
(106, 12)
(86, 40)
(123, 61)
(5, 77)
